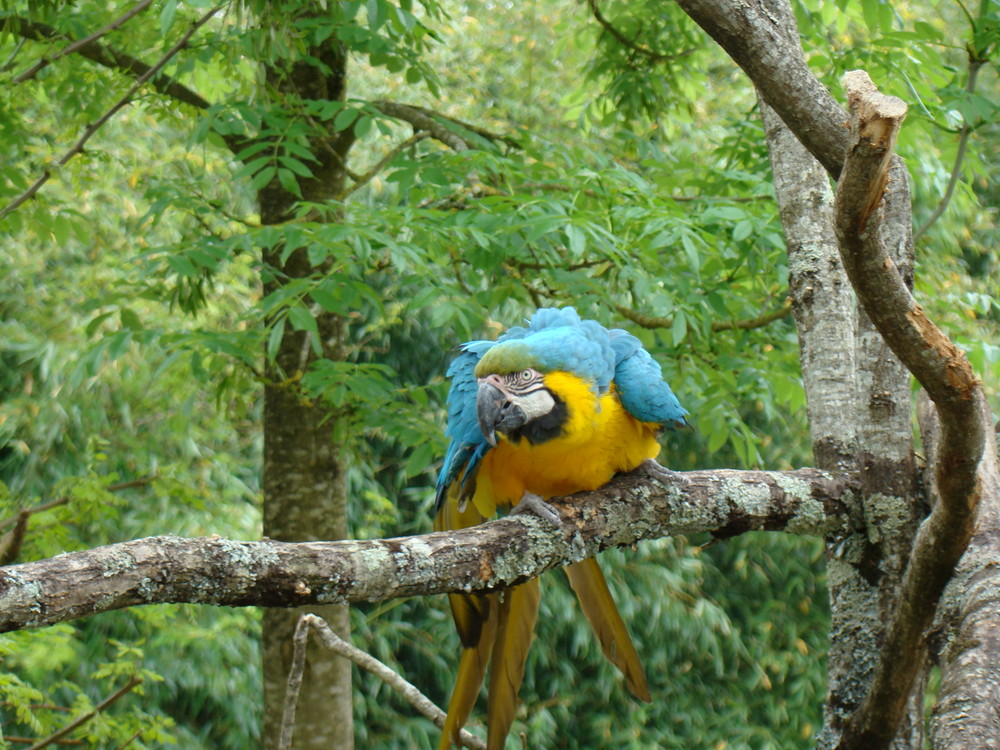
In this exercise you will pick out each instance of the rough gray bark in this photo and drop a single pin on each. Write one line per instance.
(822, 299)
(825, 313)
(305, 494)
(643, 504)
(965, 640)
(857, 395)
(946, 375)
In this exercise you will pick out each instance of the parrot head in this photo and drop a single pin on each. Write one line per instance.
(513, 399)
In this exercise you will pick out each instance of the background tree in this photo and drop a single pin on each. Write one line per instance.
(386, 234)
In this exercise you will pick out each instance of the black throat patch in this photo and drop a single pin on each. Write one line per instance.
(543, 428)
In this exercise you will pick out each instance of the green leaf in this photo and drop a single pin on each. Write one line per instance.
(742, 230)
(287, 179)
(577, 240)
(129, 319)
(274, 339)
(296, 166)
(420, 460)
(167, 16)
(302, 320)
(263, 177)
(363, 126)
(345, 118)
(329, 300)
(678, 329)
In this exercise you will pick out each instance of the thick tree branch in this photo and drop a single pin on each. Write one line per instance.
(635, 506)
(756, 42)
(946, 375)
(966, 640)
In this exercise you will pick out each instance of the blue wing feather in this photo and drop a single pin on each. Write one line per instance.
(467, 444)
(641, 387)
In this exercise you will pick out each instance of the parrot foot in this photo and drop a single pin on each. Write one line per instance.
(534, 503)
(657, 471)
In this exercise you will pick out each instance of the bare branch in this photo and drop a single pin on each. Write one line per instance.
(635, 506)
(55, 737)
(294, 683)
(74, 46)
(404, 687)
(126, 99)
(945, 374)
(10, 543)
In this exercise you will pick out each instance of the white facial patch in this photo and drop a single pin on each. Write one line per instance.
(535, 404)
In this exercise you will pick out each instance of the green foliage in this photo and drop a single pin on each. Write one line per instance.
(136, 335)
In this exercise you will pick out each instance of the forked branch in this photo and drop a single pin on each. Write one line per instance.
(366, 661)
(943, 371)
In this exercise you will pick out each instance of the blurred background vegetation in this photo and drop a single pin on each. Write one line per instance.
(632, 182)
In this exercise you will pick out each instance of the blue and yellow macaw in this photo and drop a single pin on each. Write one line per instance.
(556, 407)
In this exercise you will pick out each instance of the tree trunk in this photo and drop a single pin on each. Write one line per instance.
(858, 403)
(305, 492)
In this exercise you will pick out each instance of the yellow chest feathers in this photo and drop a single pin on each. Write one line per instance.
(599, 439)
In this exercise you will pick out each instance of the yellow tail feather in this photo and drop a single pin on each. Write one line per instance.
(471, 668)
(591, 589)
(518, 612)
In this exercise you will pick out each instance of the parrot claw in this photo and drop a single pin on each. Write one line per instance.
(532, 502)
(657, 471)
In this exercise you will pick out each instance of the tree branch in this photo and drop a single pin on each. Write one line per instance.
(943, 371)
(126, 99)
(74, 46)
(651, 55)
(965, 640)
(635, 506)
(109, 57)
(294, 685)
(756, 42)
(650, 321)
(397, 682)
(55, 737)
(360, 180)
(956, 170)
(440, 127)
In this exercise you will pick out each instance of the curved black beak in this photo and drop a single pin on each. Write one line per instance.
(496, 412)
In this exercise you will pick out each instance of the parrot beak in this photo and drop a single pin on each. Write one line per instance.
(495, 410)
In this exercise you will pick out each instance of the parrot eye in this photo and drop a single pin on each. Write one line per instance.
(527, 375)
